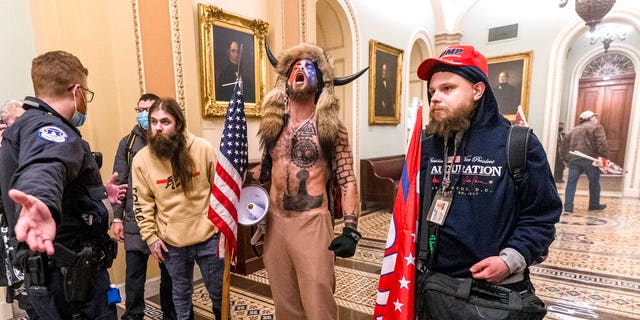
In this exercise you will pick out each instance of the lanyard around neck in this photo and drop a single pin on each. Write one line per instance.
(446, 180)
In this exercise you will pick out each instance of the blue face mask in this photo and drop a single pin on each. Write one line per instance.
(143, 119)
(78, 118)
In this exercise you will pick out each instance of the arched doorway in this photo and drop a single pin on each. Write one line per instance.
(334, 35)
(606, 88)
(417, 88)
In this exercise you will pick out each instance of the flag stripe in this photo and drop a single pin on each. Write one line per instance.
(224, 193)
(226, 172)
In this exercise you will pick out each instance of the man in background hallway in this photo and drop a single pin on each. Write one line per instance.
(589, 138)
(558, 170)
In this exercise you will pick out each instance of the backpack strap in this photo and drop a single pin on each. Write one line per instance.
(131, 139)
(517, 144)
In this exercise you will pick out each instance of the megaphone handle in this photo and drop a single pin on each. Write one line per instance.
(254, 205)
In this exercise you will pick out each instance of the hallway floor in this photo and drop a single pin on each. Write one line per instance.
(592, 272)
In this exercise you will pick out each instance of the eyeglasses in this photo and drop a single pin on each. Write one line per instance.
(138, 110)
(89, 93)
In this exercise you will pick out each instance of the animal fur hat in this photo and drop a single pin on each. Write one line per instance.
(327, 106)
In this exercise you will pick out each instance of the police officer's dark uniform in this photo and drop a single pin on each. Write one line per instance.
(43, 155)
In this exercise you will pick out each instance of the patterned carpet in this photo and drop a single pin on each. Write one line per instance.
(592, 272)
(244, 305)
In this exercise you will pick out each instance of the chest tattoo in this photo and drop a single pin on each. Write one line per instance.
(304, 149)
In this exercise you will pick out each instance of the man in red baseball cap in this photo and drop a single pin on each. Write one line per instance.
(454, 56)
(493, 228)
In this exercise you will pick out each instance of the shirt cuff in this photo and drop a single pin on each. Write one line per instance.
(514, 260)
(116, 220)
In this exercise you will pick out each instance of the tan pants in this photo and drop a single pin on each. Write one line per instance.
(300, 267)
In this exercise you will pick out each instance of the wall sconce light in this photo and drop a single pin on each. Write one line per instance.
(591, 11)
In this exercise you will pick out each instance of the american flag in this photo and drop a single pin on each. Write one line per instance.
(397, 278)
(230, 168)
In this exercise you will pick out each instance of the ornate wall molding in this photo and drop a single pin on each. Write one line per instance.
(609, 64)
(138, 36)
(447, 38)
(177, 51)
(303, 21)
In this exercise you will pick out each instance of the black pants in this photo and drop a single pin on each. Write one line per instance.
(136, 276)
(48, 302)
(558, 170)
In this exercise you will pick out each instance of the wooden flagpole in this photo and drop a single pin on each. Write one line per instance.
(226, 284)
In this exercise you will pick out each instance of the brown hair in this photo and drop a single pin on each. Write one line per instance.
(52, 73)
(182, 165)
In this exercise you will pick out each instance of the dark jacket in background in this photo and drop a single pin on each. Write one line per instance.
(122, 165)
(588, 138)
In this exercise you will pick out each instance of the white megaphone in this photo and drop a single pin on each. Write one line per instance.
(253, 205)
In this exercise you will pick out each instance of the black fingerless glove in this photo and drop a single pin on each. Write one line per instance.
(344, 245)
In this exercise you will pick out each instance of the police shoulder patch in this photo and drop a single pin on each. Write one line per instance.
(53, 134)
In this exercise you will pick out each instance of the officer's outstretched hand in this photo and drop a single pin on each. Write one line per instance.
(157, 248)
(116, 192)
(35, 225)
(344, 245)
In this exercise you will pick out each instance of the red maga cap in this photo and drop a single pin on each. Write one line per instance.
(456, 56)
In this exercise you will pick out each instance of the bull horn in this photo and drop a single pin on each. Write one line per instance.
(341, 81)
(272, 58)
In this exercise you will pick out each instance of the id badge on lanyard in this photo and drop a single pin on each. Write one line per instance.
(442, 201)
(440, 207)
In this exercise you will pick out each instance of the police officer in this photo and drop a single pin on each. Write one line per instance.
(61, 206)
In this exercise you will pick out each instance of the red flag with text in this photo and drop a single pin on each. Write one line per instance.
(395, 299)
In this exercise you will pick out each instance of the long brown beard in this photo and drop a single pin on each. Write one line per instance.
(164, 147)
(175, 150)
(460, 120)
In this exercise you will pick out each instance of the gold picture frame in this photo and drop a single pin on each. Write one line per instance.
(385, 83)
(515, 92)
(218, 30)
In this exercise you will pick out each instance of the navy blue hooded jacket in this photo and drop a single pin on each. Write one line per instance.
(483, 217)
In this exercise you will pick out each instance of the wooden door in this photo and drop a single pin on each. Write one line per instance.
(611, 100)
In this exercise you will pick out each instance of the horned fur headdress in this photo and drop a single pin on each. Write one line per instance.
(327, 104)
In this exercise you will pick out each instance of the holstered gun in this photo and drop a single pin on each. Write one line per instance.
(81, 267)
(78, 276)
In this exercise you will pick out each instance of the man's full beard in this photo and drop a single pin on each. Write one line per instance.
(301, 94)
(460, 120)
(164, 147)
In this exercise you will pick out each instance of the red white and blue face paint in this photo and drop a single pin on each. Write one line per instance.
(303, 74)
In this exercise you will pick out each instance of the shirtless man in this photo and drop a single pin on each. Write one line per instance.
(305, 147)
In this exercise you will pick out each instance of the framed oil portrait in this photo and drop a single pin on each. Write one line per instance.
(384, 83)
(231, 48)
(510, 77)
